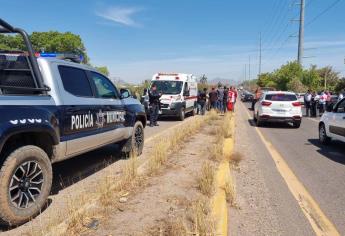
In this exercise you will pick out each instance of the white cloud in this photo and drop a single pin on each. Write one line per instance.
(120, 15)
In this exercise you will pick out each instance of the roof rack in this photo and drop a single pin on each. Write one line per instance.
(40, 86)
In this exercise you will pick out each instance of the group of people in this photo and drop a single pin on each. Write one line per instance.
(222, 99)
(322, 101)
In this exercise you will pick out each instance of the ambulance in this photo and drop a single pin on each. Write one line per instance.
(179, 94)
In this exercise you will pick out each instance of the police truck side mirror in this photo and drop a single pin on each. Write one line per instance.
(125, 93)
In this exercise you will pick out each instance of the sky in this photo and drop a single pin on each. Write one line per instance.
(138, 38)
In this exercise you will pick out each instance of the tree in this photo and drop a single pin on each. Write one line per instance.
(103, 69)
(267, 80)
(51, 41)
(332, 77)
(296, 85)
(203, 83)
(287, 73)
(311, 78)
(340, 87)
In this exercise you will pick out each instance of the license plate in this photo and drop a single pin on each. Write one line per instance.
(279, 110)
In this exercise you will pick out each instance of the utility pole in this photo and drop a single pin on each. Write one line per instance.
(260, 49)
(249, 69)
(245, 72)
(301, 33)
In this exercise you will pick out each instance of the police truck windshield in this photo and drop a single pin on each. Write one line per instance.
(168, 87)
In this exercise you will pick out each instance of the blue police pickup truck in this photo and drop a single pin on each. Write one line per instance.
(52, 110)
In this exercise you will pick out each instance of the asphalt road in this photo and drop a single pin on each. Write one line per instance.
(321, 170)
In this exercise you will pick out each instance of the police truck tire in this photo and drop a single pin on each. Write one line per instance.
(182, 114)
(135, 144)
(25, 183)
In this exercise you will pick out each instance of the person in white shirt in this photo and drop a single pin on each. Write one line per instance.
(322, 103)
(307, 102)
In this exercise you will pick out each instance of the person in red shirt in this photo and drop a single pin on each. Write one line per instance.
(231, 99)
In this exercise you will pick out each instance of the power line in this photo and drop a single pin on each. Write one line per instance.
(323, 12)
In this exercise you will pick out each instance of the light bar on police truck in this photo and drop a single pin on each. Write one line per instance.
(63, 56)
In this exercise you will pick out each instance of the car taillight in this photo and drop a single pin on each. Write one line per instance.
(296, 104)
(266, 104)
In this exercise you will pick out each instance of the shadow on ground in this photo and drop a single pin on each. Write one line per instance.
(271, 125)
(335, 151)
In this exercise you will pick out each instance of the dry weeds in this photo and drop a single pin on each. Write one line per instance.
(206, 179)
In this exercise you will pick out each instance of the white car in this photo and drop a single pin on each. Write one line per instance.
(332, 124)
(278, 106)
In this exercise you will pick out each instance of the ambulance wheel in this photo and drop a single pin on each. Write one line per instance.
(182, 114)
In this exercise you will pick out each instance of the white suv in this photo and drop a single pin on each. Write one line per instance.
(278, 106)
(332, 124)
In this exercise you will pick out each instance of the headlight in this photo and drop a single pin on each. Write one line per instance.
(178, 98)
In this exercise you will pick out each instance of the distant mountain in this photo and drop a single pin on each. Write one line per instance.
(119, 82)
(222, 81)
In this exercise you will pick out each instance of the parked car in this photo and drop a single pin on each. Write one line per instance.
(52, 110)
(332, 123)
(278, 106)
(247, 96)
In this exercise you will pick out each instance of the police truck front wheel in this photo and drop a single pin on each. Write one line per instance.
(181, 114)
(25, 183)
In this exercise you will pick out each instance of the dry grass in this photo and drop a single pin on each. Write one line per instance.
(159, 156)
(201, 217)
(206, 179)
(230, 193)
(235, 159)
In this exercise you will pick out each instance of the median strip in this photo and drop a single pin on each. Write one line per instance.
(223, 181)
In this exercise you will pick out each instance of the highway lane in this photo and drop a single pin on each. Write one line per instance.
(321, 169)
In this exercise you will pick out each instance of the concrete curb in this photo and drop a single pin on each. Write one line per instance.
(222, 178)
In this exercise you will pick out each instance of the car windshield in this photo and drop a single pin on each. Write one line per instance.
(281, 97)
(168, 87)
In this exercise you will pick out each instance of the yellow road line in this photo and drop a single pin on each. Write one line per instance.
(312, 211)
(222, 177)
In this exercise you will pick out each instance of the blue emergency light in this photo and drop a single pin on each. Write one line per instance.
(63, 56)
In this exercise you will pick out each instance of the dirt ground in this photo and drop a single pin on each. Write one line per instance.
(164, 196)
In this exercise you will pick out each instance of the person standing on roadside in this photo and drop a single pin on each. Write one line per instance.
(313, 104)
(154, 97)
(256, 97)
(202, 101)
(220, 94)
(307, 102)
(231, 99)
(225, 99)
(213, 98)
(328, 100)
(322, 103)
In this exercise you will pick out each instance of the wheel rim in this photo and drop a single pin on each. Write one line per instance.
(26, 185)
(139, 137)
